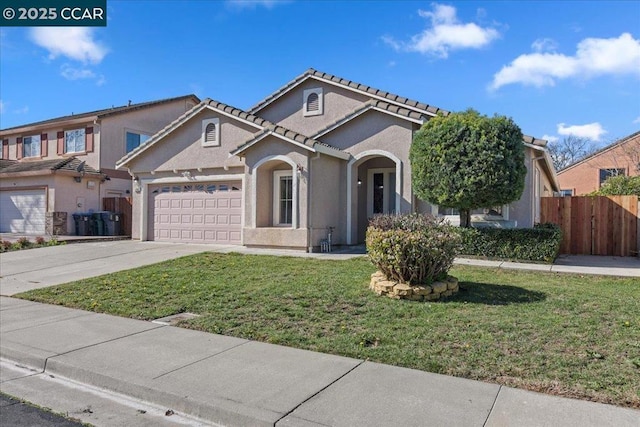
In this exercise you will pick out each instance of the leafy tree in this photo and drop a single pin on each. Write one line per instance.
(468, 161)
(620, 185)
(570, 150)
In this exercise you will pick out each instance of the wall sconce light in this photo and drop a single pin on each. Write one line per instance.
(77, 178)
(300, 169)
(186, 174)
(359, 181)
(136, 184)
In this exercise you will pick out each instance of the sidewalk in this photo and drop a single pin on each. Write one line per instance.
(208, 379)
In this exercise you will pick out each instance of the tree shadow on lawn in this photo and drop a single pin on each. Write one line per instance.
(490, 294)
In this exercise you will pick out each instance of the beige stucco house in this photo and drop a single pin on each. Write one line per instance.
(67, 164)
(620, 158)
(321, 153)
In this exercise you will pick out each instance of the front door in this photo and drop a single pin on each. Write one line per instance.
(381, 191)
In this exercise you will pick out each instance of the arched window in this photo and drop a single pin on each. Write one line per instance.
(210, 134)
(313, 102)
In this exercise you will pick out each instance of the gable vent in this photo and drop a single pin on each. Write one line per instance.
(313, 102)
(210, 133)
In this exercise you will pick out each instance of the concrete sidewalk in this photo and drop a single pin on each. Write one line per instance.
(208, 379)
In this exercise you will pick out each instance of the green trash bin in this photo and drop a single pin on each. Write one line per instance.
(97, 224)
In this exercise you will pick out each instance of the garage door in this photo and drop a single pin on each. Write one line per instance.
(198, 213)
(22, 211)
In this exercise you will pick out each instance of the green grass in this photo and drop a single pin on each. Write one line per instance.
(568, 335)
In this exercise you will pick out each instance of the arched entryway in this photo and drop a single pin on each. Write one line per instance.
(374, 186)
(275, 193)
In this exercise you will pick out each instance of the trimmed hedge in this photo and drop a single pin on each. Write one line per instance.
(541, 243)
(413, 249)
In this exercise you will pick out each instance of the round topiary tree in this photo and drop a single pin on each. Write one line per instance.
(468, 161)
(412, 249)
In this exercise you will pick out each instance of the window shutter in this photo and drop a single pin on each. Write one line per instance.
(19, 148)
(5, 149)
(88, 140)
(61, 142)
(313, 102)
(210, 133)
(44, 145)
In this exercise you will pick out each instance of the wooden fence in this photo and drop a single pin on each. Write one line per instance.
(123, 206)
(601, 225)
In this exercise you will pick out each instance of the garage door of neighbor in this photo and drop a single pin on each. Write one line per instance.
(197, 213)
(23, 211)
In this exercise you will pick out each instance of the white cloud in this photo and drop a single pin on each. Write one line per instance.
(446, 33)
(252, 4)
(71, 73)
(592, 131)
(593, 57)
(637, 120)
(75, 43)
(544, 45)
(550, 138)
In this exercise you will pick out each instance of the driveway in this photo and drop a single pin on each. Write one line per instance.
(24, 270)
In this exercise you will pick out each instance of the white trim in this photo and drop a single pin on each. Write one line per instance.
(144, 194)
(310, 76)
(385, 184)
(203, 138)
(355, 114)
(350, 165)
(305, 96)
(254, 183)
(277, 174)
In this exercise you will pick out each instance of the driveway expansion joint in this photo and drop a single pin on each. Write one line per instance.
(493, 405)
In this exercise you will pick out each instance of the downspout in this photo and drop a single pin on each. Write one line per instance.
(309, 211)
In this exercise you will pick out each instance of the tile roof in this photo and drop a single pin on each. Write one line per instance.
(71, 164)
(534, 141)
(416, 105)
(369, 105)
(603, 149)
(105, 112)
(292, 135)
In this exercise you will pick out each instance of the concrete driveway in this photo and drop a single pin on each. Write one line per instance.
(38, 268)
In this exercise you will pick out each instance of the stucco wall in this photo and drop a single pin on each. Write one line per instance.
(287, 110)
(148, 120)
(584, 177)
(327, 199)
(183, 150)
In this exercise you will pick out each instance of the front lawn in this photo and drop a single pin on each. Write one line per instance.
(569, 335)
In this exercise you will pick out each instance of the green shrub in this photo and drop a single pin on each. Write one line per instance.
(6, 246)
(23, 243)
(541, 243)
(413, 249)
(620, 185)
(40, 241)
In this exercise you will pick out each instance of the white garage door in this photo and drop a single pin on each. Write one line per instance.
(22, 211)
(197, 213)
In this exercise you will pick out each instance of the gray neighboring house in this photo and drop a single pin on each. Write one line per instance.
(320, 153)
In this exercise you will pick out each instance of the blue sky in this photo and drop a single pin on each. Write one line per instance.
(557, 68)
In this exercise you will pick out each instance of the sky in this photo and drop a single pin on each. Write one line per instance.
(557, 68)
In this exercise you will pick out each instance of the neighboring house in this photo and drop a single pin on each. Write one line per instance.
(620, 158)
(320, 153)
(66, 165)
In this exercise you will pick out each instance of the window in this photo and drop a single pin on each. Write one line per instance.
(282, 198)
(312, 102)
(31, 146)
(74, 141)
(607, 173)
(564, 193)
(135, 139)
(211, 133)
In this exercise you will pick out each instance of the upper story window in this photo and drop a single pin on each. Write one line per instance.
(566, 192)
(211, 132)
(607, 173)
(313, 102)
(74, 141)
(134, 140)
(31, 146)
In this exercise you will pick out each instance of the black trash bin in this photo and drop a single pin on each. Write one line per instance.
(83, 223)
(112, 223)
(98, 224)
